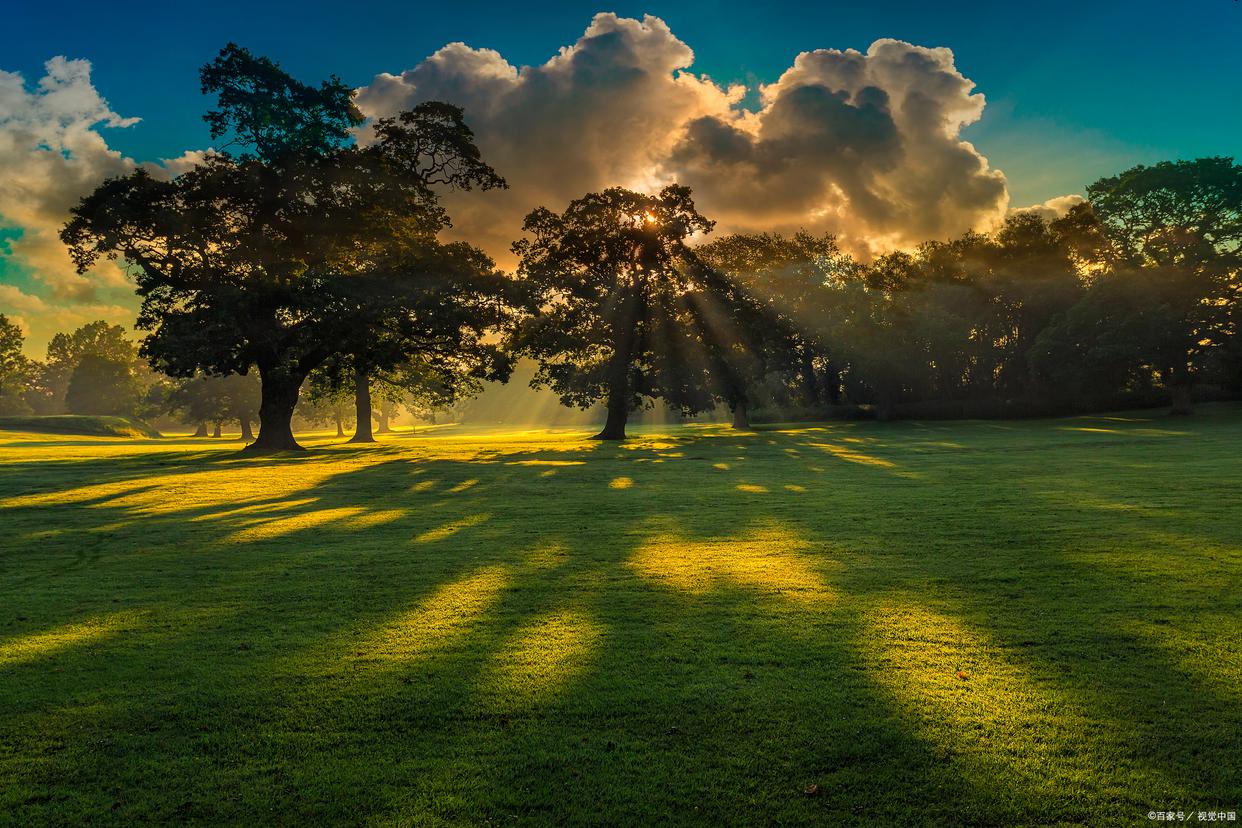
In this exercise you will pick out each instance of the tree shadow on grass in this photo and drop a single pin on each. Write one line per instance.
(477, 638)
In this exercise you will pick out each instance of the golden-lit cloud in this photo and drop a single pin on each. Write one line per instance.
(51, 154)
(865, 145)
(1053, 208)
(605, 111)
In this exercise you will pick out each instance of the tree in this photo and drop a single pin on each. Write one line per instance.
(243, 395)
(15, 369)
(1096, 347)
(426, 304)
(101, 385)
(1176, 228)
(200, 400)
(293, 249)
(873, 326)
(206, 399)
(66, 350)
(424, 387)
(327, 401)
(388, 407)
(612, 273)
(779, 288)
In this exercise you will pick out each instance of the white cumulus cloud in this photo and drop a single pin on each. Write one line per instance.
(864, 145)
(51, 154)
(605, 111)
(1053, 208)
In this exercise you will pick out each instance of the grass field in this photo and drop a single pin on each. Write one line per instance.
(979, 623)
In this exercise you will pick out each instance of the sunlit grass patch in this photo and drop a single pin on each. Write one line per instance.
(449, 529)
(543, 658)
(259, 527)
(83, 633)
(851, 455)
(768, 559)
(439, 621)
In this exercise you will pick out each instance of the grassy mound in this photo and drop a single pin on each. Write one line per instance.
(83, 424)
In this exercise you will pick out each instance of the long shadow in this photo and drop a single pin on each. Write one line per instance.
(255, 659)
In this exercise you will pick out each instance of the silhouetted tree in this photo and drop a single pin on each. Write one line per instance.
(281, 255)
(1176, 229)
(873, 325)
(199, 400)
(101, 385)
(15, 369)
(327, 401)
(423, 303)
(207, 399)
(780, 287)
(1096, 347)
(613, 272)
(66, 350)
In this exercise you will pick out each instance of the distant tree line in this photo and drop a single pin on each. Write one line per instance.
(314, 262)
(93, 370)
(96, 370)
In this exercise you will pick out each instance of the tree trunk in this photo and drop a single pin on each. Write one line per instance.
(832, 383)
(885, 406)
(279, 397)
(340, 426)
(362, 406)
(810, 382)
(619, 369)
(202, 429)
(216, 434)
(618, 413)
(382, 417)
(741, 416)
(246, 433)
(1179, 388)
(618, 396)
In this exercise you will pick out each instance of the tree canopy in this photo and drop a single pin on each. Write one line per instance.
(15, 369)
(613, 273)
(292, 244)
(1176, 229)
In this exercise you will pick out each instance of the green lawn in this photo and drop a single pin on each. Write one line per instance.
(981, 623)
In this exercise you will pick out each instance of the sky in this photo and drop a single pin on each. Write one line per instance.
(942, 119)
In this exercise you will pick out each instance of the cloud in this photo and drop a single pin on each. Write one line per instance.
(1053, 208)
(864, 145)
(41, 319)
(52, 154)
(605, 111)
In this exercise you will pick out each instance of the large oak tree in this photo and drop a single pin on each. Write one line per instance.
(614, 274)
(293, 243)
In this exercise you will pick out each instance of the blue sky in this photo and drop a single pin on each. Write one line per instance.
(1075, 90)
